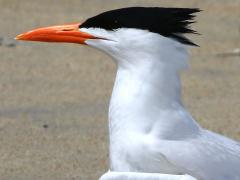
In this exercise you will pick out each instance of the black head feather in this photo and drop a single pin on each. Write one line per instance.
(168, 22)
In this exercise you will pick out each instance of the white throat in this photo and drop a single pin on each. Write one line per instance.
(146, 97)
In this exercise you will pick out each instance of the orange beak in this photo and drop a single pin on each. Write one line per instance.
(69, 33)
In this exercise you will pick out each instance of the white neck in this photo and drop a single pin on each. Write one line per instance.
(147, 94)
(146, 98)
(144, 85)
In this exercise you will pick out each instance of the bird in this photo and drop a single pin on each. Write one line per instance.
(151, 133)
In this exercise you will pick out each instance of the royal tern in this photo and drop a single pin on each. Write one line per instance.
(151, 132)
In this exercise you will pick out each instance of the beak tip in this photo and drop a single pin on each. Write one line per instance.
(18, 37)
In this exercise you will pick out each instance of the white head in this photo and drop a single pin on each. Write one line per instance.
(130, 47)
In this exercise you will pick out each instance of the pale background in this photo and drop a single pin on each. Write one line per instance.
(54, 97)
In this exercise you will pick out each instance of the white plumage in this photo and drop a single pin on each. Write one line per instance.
(150, 130)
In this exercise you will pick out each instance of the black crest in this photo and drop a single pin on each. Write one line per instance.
(169, 22)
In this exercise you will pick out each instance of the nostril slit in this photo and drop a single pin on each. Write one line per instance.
(67, 30)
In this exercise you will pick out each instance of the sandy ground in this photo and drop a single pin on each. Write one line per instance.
(54, 97)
